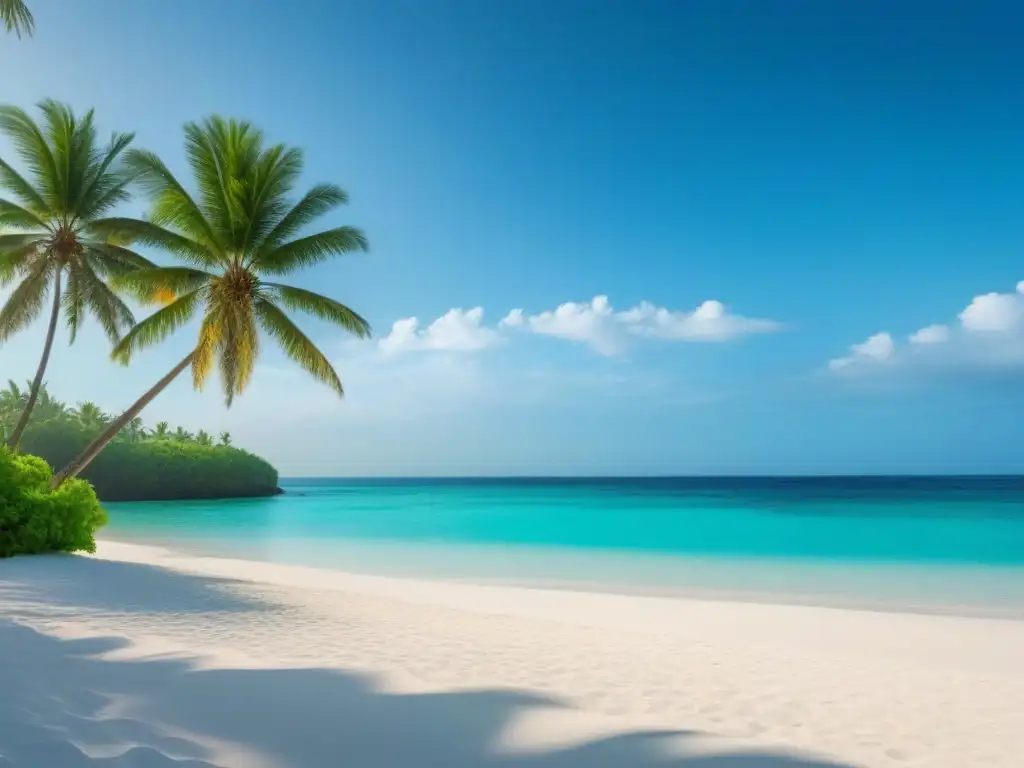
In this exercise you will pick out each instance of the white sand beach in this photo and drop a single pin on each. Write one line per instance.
(143, 657)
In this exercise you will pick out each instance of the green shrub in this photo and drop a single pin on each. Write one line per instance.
(34, 519)
(153, 469)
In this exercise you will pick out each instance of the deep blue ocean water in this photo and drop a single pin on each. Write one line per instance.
(917, 540)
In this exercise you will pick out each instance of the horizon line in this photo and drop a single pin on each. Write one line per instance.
(722, 476)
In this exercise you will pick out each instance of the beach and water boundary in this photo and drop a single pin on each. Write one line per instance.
(931, 544)
(247, 640)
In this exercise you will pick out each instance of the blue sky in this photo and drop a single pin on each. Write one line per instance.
(755, 187)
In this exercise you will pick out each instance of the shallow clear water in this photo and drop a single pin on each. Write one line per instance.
(929, 541)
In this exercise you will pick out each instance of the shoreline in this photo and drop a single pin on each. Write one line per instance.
(259, 493)
(307, 667)
(1011, 611)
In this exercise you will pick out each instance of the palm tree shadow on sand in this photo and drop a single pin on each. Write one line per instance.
(64, 705)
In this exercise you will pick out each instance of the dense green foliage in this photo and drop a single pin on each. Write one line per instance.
(35, 519)
(140, 464)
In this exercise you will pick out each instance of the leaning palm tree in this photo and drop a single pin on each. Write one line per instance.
(56, 215)
(17, 18)
(240, 229)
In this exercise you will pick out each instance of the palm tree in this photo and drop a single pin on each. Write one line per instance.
(48, 407)
(225, 438)
(134, 430)
(203, 438)
(12, 401)
(239, 229)
(182, 435)
(17, 18)
(12, 398)
(162, 431)
(74, 183)
(91, 415)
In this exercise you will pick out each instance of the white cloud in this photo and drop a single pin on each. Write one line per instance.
(456, 331)
(513, 319)
(994, 313)
(592, 323)
(710, 321)
(596, 323)
(931, 334)
(988, 336)
(877, 349)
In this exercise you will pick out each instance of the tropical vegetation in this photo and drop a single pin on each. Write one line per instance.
(240, 228)
(56, 215)
(140, 464)
(17, 18)
(35, 518)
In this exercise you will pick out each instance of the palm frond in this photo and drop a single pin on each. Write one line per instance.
(31, 146)
(18, 256)
(214, 195)
(202, 358)
(81, 160)
(106, 186)
(150, 233)
(311, 303)
(310, 250)
(21, 188)
(73, 302)
(113, 314)
(238, 347)
(20, 242)
(215, 150)
(145, 284)
(172, 205)
(109, 259)
(14, 263)
(112, 190)
(266, 199)
(25, 301)
(68, 138)
(157, 326)
(296, 344)
(12, 215)
(17, 17)
(320, 200)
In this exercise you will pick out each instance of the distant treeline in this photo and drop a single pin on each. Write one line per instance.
(141, 464)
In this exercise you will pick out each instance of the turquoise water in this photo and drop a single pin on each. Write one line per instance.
(934, 541)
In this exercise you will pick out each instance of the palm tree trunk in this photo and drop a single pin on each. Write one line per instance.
(97, 445)
(37, 382)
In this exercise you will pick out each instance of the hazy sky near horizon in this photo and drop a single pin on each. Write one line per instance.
(607, 237)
